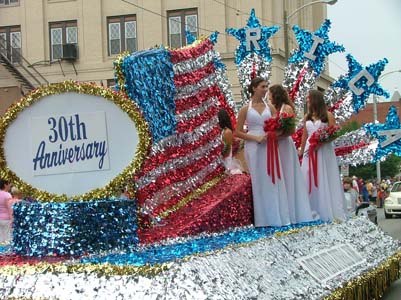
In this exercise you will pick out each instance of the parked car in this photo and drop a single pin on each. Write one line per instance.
(392, 204)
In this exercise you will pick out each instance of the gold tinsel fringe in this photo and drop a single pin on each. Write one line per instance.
(99, 269)
(372, 284)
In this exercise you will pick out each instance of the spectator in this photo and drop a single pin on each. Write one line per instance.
(374, 192)
(360, 185)
(369, 187)
(17, 196)
(355, 185)
(364, 192)
(384, 186)
(351, 195)
(4, 215)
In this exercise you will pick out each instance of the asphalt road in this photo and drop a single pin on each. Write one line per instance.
(393, 228)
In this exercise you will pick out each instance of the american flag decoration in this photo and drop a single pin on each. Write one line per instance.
(179, 93)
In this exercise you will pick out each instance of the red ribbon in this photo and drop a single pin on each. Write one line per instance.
(253, 73)
(272, 156)
(312, 168)
(297, 83)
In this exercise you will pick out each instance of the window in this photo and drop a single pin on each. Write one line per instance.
(62, 33)
(9, 2)
(178, 22)
(121, 32)
(10, 43)
(111, 84)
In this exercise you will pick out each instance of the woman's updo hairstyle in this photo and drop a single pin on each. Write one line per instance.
(254, 84)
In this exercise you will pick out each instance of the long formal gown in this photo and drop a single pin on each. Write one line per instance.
(328, 197)
(233, 166)
(269, 200)
(297, 193)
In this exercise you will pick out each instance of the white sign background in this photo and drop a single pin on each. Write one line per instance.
(123, 140)
(87, 131)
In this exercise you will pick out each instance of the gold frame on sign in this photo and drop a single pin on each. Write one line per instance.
(119, 99)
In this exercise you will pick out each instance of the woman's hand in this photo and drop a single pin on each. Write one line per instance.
(261, 139)
(300, 152)
(279, 132)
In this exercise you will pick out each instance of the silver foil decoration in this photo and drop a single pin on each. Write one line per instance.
(252, 64)
(265, 269)
(292, 73)
(358, 156)
(352, 138)
(339, 102)
(179, 188)
(224, 84)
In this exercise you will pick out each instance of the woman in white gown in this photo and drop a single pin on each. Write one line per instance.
(326, 193)
(297, 193)
(269, 199)
(233, 165)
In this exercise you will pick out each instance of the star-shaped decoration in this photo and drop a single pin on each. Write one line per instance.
(314, 47)
(388, 134)
(190, 37)
(362, 81)
(253, 39)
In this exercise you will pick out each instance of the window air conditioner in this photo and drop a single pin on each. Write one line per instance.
(70, 52)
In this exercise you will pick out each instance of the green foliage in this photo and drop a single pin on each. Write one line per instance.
(363, 171)
(354, 125)
(389, 168)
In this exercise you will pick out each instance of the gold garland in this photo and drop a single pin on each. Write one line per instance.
(106, 269)
(199, 191)
(119, 99)
(119, 71)
(372, 284)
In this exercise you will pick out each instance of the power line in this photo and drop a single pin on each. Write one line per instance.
(337, 65)
(165, 17)
(245, 13)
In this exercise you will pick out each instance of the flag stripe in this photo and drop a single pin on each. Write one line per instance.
(178, 152)
(191, 52)
(178, 174)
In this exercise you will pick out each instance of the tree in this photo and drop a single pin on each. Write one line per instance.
(389, 168)
(348, 127)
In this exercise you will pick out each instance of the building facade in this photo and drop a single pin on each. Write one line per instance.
(47, 41)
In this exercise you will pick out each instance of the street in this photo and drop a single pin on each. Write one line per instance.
(393, 228)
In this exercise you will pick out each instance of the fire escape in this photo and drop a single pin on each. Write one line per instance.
(26, 74)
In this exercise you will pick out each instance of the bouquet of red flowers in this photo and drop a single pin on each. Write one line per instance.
(287, 121)
(283, 121)
(323, 135)
(320, 136)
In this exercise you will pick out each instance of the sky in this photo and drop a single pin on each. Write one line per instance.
(370, 30)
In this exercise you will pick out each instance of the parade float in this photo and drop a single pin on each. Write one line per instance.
(186, 230)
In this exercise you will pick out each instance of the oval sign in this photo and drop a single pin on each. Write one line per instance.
(73, 141)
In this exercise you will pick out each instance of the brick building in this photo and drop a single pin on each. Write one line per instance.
(366, 115)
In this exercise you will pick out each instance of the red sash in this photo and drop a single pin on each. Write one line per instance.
(312, 168)
(272, 156)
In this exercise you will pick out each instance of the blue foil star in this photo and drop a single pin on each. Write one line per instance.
(388, 134)
(248, 35)
(362, 81)
(307, 50)
(190, 37)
